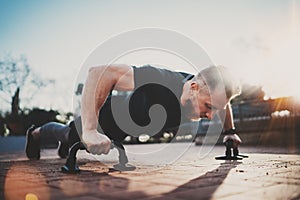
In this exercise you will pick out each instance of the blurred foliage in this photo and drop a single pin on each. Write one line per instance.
(16, 75)
(250, 93)
(16, 125)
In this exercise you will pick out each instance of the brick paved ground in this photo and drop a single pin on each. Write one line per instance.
(268, 173)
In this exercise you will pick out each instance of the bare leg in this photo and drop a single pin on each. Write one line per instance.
(36, 133)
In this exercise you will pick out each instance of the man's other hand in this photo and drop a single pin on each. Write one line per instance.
(234, 137)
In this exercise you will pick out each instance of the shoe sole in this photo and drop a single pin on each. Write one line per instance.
(32, 147)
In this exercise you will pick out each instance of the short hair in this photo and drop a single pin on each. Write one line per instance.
(215, 76)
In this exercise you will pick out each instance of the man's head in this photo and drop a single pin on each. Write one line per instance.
(210, 90)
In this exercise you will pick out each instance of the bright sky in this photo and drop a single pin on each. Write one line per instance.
(257, 39)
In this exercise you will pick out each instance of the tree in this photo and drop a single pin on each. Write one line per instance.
(15, 75)
(250, 93)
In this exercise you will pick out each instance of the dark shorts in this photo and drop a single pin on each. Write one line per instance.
(58, 130)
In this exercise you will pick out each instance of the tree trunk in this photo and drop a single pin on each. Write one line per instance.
(15, 103)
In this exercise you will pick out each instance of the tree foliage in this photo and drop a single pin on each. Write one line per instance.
(250, 93)
(16, 75)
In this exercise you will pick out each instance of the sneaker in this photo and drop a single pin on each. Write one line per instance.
(32, 145)
(63, 150)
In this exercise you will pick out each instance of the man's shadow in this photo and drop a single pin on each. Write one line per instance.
(110, 187)
(204, 186)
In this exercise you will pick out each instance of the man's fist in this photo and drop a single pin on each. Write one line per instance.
(95, 142)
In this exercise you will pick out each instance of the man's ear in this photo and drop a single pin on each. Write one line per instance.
(194, 86)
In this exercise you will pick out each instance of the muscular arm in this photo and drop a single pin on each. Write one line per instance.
(227, 117)
(229, 124)
(100, 81)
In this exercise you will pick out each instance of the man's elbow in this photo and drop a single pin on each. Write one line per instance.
(97, 72)
(113, 72)
(110, 69)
